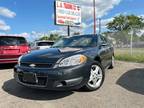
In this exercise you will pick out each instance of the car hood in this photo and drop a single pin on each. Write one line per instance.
(51, 55)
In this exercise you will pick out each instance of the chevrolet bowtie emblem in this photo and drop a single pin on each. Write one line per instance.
(32, 65)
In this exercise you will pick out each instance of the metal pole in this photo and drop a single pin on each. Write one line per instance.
(99, 25)
(132, 41)
(68, 30)
(94, 16)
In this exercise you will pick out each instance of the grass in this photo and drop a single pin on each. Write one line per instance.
(125, 55)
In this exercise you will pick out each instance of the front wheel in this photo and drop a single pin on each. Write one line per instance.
(96, 77)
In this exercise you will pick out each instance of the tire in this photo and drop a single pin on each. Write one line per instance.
(112, 63)
(96, 78)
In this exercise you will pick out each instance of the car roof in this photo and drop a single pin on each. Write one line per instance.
(44, 41)
(11, 36)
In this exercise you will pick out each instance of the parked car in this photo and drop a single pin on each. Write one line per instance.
(11, 48)
(71, 63)
(42, 45)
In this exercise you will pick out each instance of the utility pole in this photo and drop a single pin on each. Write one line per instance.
(68, 30)
(132, 32)
(94, 9)
(99, 26)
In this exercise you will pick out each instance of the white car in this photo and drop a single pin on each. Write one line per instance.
(42, 45)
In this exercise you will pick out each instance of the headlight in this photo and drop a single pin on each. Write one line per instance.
(73, 60)
(19, 59)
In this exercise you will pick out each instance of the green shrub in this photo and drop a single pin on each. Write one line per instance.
(125, 55)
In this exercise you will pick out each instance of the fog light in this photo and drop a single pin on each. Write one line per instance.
(59, 85)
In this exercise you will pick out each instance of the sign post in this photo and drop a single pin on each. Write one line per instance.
(67, 14)
(99, 26)
(132, 32)
(68, 30)
(94, 15)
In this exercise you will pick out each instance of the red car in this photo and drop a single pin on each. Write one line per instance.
(11, 48)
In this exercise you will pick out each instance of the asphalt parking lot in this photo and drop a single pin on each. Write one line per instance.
(123, 88)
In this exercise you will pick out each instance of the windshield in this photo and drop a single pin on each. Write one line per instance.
(76, 41)
(11, 41)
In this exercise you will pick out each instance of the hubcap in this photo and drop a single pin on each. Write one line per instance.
(95, 76)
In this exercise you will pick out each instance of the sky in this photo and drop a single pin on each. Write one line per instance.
(27, 17)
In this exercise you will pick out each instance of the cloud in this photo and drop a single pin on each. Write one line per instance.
(61, 30)
(103, 23)
(142, 16)
(4, 26)
(102, 7)
(81, 30)
(7, 13)
(25, 34)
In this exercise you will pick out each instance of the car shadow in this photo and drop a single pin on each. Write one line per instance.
(6, 66)
(12, 88)
(133, 80)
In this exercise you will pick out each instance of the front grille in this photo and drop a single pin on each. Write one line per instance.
(41, 78)
(38, 65)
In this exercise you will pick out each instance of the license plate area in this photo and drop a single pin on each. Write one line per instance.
(30, 78)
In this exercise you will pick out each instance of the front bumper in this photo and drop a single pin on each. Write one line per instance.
(54, 79)
(10, 60)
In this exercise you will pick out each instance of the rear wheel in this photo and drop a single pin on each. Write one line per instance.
(96, 77)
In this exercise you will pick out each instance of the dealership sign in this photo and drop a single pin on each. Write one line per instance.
(67, 14)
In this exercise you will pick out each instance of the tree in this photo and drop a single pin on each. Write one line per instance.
(54, 37)
(118, 24)
(76, 33)
(135, 22)
(122, 25)
(122, 22)
(44, 38)
(51, 37)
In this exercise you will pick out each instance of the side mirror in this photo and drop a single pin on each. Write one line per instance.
(104, 44)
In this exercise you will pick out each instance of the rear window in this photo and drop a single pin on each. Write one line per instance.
(10, 41)
(45, 43)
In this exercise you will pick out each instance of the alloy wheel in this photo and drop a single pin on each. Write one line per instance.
(96, 76)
